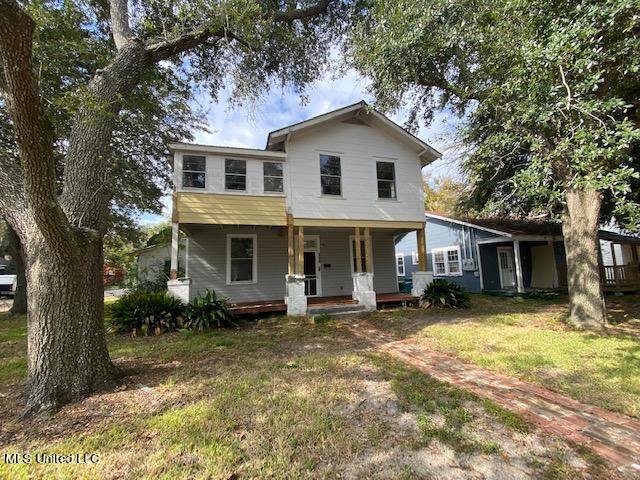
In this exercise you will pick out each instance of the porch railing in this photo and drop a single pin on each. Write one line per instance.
(619, 276)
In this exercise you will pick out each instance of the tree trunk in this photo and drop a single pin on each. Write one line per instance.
(19, 306)
(67, 350)
(580, 224)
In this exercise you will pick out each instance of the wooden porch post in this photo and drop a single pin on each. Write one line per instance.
(358, 252)
(616, 273)
(291, 263)
(422, 249)
(367, 249)
(300, 250)
(175, 246)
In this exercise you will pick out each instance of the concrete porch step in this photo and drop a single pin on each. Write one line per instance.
(335, 309)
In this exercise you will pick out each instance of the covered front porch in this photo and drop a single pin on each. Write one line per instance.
(293, 268)
(538, 263)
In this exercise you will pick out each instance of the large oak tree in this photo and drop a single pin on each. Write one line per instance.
(61, 217)
(549, 93)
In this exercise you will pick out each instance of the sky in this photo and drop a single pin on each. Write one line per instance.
(249, 126)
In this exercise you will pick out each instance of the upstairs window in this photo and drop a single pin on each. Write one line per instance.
(386, 172)
(235, 175)
(330, 175)
(446, 261)
(194, 171)
(414, 258)
(273, 177)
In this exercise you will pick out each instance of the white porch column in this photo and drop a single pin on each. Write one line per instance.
(519, 279)
(363, 290)
(175, 245)
(420, 281)
(180, 288)
(296, 300)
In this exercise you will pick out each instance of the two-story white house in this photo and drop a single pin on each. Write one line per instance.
(313, 215)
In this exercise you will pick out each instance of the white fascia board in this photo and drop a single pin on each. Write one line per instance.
(228, 151)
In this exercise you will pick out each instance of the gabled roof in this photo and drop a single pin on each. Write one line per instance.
(508, 227)
(362, 111)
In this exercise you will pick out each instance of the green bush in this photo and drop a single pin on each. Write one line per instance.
(147, 312)
(442, 293)
(208, 310)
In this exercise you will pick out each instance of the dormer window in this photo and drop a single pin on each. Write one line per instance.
(194, 171)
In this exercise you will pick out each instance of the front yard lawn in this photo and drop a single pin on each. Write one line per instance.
(528, 339)
(282, 398)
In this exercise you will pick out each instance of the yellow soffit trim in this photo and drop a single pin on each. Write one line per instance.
(341, 222)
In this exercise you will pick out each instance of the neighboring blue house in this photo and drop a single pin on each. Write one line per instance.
(500, 254)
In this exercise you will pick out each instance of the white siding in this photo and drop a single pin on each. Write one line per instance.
(214, 175)
(207, 262)
(359, 147)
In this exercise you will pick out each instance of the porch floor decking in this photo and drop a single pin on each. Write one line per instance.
(275, 306)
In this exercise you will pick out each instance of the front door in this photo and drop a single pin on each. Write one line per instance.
(312, 266)
(506, 267)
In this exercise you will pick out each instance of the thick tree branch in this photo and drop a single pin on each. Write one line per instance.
(33, 131)
(163, 49)
(120, 28)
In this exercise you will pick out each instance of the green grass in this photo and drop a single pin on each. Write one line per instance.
(528, 339)
(430, 399)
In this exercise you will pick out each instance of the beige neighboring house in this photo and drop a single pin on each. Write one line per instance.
(153, 262)
(310, 219)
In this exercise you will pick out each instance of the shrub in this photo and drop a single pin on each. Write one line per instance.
(208, 310)
(146, 312)
(442, 293)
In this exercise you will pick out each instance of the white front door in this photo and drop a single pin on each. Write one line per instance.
(312, 286)
(506, 267)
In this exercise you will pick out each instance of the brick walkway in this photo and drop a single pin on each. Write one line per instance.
(613, 436)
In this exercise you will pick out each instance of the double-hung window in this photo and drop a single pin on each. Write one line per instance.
(400, 264)
(330, 175)
(273, 177)
(446, 261)
(242, 258)
(194, 171)
(235, 174)
(386, 173)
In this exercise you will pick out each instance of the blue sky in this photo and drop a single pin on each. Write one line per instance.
(249, 126)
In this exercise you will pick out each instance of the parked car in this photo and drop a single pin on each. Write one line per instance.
(7, 285)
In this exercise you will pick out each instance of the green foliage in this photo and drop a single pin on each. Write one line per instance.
(549, 93)
(146, 312)
(443, 195)
(442, 293)
(208, 310)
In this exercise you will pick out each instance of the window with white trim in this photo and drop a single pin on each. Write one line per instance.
(235, 174)
(400, 264)
(242, 259)
(194, 171)
(414, 258)
(273, 177)
(446, 261)
(386, 173)
(330, 175)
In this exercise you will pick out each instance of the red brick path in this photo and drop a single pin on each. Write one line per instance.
(613, 436)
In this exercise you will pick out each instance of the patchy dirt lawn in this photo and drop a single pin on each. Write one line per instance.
(279, 398)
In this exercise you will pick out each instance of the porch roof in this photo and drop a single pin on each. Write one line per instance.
(513, 228)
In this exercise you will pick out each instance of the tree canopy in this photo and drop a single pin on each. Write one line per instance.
(548, 92)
